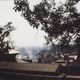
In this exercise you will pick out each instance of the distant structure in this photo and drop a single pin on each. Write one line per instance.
(23, 59)
(9, 56)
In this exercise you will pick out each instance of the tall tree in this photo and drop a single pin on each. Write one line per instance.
(4, 34)
(61, 23)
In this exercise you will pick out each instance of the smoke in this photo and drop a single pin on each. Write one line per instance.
(30, 54)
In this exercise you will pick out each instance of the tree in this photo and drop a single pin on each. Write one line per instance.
(44, 56)
(4, 34)
(61, 23)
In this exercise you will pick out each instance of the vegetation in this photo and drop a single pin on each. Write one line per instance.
(4, 40)
(61, 23)
(47, 56)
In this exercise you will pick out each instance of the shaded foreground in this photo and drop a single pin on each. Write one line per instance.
(29, 77)
(22, 71)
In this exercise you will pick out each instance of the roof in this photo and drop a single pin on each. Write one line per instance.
(29, 66)
(13, 51)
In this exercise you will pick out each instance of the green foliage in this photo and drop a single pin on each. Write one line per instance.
(61, 23)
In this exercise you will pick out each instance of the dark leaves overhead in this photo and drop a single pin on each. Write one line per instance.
(55, 21)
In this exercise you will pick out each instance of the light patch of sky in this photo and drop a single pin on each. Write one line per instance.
(24, 35)
(34, 2)
(78, 6)
(59, 1)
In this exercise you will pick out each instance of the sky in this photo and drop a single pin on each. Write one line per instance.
(24, 35)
